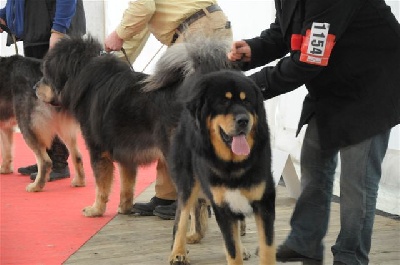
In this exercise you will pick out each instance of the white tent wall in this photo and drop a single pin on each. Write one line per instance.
(249, 18)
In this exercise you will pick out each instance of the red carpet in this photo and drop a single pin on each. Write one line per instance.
(47, 227)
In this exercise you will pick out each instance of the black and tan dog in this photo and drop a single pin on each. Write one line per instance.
(38, 122)
(221, 148)
(119, 122)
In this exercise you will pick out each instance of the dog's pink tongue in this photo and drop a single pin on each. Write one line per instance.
(240, 145)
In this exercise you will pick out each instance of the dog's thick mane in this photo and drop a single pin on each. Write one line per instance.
(69, 56)
(197, 56)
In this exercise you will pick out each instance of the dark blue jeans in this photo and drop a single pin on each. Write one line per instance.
(359, 181)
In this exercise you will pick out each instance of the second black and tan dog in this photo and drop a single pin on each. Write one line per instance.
(221, 150)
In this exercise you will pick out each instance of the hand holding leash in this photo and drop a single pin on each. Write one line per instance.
(113, 42)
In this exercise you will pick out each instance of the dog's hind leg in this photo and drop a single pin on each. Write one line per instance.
(198, 222)
(6, 144)
(103, 170)
(128, 181)
(185, 203)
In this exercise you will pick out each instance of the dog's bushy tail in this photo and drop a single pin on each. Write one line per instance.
(198, 55)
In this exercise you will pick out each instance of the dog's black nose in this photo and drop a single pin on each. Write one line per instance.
(242, 120)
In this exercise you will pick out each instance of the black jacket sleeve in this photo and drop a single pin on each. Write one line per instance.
(290, 72)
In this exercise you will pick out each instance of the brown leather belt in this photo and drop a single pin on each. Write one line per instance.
(199, 14)
(196, 16)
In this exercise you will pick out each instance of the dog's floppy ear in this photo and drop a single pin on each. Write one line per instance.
(197, 101)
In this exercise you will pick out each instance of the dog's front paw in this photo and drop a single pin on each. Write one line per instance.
(91, 211)
(33, 187)
(6, 169)
(78, 182)
(179, 259)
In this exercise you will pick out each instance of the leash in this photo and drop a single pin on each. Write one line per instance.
(129, 62)
(8, 30)
(152, 58)
(127, 59)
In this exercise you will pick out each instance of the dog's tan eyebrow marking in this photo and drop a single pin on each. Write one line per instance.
(228, 95)
(242, 95)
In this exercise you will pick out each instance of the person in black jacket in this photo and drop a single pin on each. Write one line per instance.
(347, 54)
(40, 24)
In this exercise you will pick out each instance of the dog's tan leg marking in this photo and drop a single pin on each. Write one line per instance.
(266, 252)
(44, 167)
(128, 181)
(198, 222)
(238, 260)
(6, 145)
(76, 157)
(179, 254)
(103, 170)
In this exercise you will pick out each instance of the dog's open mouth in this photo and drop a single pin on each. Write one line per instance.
(237, 143)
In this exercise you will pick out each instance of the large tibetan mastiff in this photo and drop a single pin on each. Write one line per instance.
(119, 122)
(38, 122)
(221, 149)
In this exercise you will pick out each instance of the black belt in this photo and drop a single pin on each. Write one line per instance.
(196, 16)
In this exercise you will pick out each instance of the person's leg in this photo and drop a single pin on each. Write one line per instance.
(165, 196)
(59, 154)
(310, 218)
(359, 182)
(165, 188)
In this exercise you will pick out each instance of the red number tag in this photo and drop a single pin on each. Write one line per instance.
(317, 45)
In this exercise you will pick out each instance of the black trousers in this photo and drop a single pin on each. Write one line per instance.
(58, 152)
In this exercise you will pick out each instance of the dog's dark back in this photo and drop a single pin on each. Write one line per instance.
(107, 99)
(10, 68)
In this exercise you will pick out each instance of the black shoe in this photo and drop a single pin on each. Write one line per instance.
(147, 208)
(166, 212)
(55, 174)
(338, 263)
(284, 254)
(28, 170)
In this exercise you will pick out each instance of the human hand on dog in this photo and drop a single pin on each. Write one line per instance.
(240, 51)
(54, 38)
(113, 42)
(2, 22)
